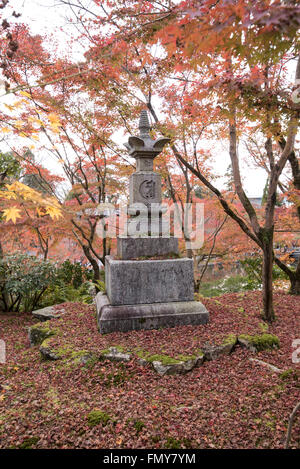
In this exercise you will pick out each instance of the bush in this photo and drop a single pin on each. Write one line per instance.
(73, 274)
(71, 283)
(59, 292)
(24, 280)
(253, 269)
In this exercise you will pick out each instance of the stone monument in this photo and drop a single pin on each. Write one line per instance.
(147, 293)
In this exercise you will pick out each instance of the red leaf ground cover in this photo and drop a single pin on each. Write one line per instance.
(231, 402)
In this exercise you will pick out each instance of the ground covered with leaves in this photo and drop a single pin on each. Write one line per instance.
(231, 402)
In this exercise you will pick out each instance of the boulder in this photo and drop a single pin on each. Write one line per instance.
(47, 353)
(39, 332)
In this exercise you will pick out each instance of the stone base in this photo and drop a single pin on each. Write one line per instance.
(131, 248)
(149, 281)
(148, 316)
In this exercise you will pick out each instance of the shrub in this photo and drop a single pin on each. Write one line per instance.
(74, 274)
(59, 292)
(23, 281)
(253, 269)
(72, 282)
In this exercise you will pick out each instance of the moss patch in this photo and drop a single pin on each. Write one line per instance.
(288, 374)
(98, 416)
(119, 348)
(230, 339)
(29, 442)
(166, 359)
(139, 425)
(261, 341)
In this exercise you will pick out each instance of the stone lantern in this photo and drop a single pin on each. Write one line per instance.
(148, 293)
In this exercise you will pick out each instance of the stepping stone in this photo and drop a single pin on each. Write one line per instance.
(115, 355)
(212, 352)
(181, 367)
(50, 312)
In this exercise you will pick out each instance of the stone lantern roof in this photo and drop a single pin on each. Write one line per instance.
(144, 146)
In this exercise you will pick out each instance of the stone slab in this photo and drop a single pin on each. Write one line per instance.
(130, 248)
(149, 281)
(148, 316)
(49, 312)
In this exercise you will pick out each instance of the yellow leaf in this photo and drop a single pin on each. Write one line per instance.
(5, 130)
(11, 214)
(53, 118)
(54, 212)
(24, 93)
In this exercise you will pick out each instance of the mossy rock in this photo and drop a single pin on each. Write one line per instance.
(230, 339)
(163, 359)
(115, 354)
(259, 342)
(166, 365)
(41, 331)
(97, 417)
(50, 351)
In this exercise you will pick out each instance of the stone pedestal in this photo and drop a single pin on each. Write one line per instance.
(148, 316)
(137, 282)
(147, 294)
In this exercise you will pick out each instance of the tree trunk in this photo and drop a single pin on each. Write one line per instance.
(93, 263)
(267, 276)
(295, 286)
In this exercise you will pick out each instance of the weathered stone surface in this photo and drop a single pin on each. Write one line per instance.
(50, 312)
(246, 343)
(39, 332)
(143, 362)
(273, 368)
(130, 248)
(139, 282)
(177, 368)
(115, 355)
(148, 316)
(145, 187)
(47, 353)
(212, 352)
